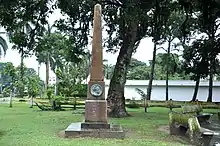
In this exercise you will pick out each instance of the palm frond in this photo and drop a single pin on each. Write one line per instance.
(141, 92)
(4, 46)
(28, 28)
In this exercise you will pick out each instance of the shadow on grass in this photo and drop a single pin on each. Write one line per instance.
(2, 133)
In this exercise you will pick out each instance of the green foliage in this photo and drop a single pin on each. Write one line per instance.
(22, 100)
(33, 86)
(70, 78)
(16, 17)
(133, 104)
(49, 92)
(6, 92)
(196, 60)
(57, 48)
(81, 90)
(138, 70)
(180, 118)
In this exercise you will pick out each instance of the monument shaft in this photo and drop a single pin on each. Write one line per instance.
(97, 73)
(96, 105)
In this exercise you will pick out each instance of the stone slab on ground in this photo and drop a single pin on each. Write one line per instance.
(95, 125)
(75, 130)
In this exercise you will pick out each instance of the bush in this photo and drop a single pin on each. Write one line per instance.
(127, 100)
(81, 89)
(133, 104)
(22, 100)
(6, 92)
(49, 93)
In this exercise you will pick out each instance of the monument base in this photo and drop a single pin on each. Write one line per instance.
(95, 125)
(76, 130)
(96, 111)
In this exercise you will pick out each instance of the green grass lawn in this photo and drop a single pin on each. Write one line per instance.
(23, 126)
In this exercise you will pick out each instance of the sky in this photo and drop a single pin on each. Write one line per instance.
(144, 52)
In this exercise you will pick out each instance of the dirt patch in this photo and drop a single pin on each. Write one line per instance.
(61, 134)
(181, 139)
(164, 128)
(2, 133)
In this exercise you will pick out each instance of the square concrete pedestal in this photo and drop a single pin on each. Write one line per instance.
(76, 130)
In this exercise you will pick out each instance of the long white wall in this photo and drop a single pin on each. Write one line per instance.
(180, 92)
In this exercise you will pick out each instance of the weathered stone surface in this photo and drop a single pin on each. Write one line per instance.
(96, 111)
(95, 125)
(97, 72)
(75, 130)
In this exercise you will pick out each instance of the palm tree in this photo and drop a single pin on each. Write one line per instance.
(3, 49)
(44, 54)
(3, 46)
(23, 51)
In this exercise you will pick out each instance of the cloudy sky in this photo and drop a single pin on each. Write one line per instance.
(144, 52)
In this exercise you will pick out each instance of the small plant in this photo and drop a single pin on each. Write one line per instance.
(22, 100)
(133, 104)
(49, 93)
(144, 97)
(6, 92)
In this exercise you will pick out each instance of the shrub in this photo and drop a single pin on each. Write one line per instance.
(6, 92)
(127, 100)
(133, 104)
(81, 90)
(22, 100)
(49, 93)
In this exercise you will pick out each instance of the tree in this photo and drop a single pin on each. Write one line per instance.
(33, 87)
(108, 69)
(168, 63)
(196, 63)
(71, 75)
(10, 71)
(160, 16)
(54, 49)
(207, 14)
(138, 70)
(16, 14)
(125, 21)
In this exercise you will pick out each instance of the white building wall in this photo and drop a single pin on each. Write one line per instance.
(181, 92)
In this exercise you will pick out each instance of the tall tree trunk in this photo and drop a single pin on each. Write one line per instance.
(209, 99)
(55, 87)
(167, 71)
(32, 101)
(10, 99)
(149, 88)
(196, 88)
(22, 73)
(116, 99)
(1, 83)
(47, 72)
(38, 69)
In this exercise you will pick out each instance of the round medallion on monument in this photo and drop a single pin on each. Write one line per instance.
(96, 90)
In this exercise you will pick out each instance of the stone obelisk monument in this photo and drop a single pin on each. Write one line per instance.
(96, 105)
(96, 123)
